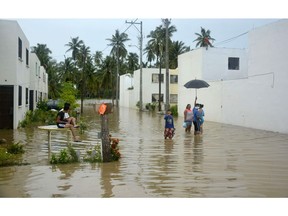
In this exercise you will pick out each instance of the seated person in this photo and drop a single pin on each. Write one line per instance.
(63, 120)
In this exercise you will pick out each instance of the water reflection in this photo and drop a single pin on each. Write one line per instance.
(109, 172)
(226, 161)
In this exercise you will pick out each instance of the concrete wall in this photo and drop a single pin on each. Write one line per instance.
(17, 71)
(14, 70)
(255, 96)
(130, 97)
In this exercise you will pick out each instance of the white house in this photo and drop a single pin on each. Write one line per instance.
(38, 82)
(130, 87)
(247, 88)
(15, 72)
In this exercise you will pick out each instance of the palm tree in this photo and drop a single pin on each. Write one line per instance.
(204, 39)
(119, 52)
(42, 52)
(67, 70)
(149, 54)
(176, 49)
(156, 45)
(82, 56)
(98, 58)
(106, 76)
(54, 81)
(74, 46)
(133, 62)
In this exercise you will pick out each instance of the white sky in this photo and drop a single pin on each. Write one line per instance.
(94, 32)
(55, 22)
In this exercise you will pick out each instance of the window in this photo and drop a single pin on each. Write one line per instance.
(155, 78)
(155, 97)
(20, 96)
(174, 79)
(36, 96)
(27, 57)
(173, 98)
(19, 48)
(27, 96)
(233, 63)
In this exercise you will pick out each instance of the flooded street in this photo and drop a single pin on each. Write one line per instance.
(226, 161)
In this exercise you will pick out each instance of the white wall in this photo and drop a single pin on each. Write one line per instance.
(148, 88)
(126, 83)
(15, 71)
(254, 97)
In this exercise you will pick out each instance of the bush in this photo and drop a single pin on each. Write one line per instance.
(11, 154)
(174, 110)
(150, 106)
(93, 155)
(15, 148)
(68, 155)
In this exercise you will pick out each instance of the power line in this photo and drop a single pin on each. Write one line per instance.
(230, 39)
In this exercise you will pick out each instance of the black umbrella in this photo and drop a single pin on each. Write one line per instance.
(196, 83)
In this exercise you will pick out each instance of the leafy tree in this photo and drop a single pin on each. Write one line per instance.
(68, 94)
(98, 59)
(74, 46)
(132, 62)
(42, 52)
(119, 52)
(67, 70)
(204, 39)
(156, 44)
(176, 49)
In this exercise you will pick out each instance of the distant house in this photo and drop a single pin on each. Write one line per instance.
(19, 87)
(130, 88)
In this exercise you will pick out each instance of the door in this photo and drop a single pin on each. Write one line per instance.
(6, 108)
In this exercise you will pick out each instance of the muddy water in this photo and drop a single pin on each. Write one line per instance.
(226, 161)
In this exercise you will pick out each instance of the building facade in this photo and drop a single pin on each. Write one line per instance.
(16, 82)
(130, 88)
(247, 88)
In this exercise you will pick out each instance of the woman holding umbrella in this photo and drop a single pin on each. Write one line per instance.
(196, 122)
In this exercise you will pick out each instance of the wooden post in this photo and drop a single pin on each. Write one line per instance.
(106, 149)
(104, 109)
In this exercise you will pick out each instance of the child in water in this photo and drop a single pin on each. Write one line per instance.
(169, 125)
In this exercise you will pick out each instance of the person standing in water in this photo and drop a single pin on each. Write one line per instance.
(188, 118)
(169, 125)
(200, 117)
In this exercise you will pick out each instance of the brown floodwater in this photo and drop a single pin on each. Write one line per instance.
(226, 161)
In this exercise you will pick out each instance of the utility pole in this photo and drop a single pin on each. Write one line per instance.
(141, 65)
(160, 46)
(166, 23)
(117, 78)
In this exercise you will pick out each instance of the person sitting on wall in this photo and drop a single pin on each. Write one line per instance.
(63, 120)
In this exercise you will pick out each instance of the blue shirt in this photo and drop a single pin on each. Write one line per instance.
(169, 123)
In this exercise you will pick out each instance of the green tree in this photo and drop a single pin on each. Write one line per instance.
(176, 48)
(42, 52)
(132, 62)
(119, 52)
(74, 46)
(98, 59)
(67, 70)
(68, 94)
(107, 77)
(204, 39)
(156, 44)
(82, 56)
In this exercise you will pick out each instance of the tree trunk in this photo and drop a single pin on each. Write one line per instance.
(106, 149)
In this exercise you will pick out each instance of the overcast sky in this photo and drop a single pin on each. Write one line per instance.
(94, 32)
(55, 22)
